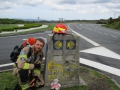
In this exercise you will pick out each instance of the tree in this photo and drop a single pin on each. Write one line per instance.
(110, 20)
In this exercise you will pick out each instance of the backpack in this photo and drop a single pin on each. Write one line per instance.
(14, 54)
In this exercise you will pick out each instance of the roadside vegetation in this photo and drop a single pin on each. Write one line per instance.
(113, 23)
(49, 28)
(12, 27)
(93, 79)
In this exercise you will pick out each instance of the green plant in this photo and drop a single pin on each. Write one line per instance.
(7, 29)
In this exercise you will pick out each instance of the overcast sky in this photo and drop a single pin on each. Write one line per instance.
(54, 9)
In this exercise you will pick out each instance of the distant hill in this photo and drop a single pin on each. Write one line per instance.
(30, 19)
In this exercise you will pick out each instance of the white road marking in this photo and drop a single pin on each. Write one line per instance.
(78, 28)
(103, 52)
(105, 29)
(114, 36)
(9, 64)
(105, 33)
(99, 32)
(90, 41)
(100, 66)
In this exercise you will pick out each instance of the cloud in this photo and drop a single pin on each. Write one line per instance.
(77, 6)
(114, 6)
(11, 4)
(85, 6)
(6, 5)
(30, 2)
(79, 1)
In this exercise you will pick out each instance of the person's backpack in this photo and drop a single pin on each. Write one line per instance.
(14, 54)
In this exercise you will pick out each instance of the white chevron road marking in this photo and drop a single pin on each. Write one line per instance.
(100, 66)
(102, 51)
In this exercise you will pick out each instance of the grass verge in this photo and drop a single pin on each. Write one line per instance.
(50, 27)
(94, 80)
(114, 26)
(2, 26)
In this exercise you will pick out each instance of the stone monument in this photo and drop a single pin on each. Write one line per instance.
(62, 60)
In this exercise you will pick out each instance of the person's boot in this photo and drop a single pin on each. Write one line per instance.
(40, 86)
(17, 87)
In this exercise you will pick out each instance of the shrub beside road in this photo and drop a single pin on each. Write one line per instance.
(50, 27)
(10, 27)
(115, 25)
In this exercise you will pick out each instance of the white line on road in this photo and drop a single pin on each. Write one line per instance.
(99, 32)
(100, 66)
(78, 28)
(114, 36)
(4, 65)
(90, 41)
(105, 29)
(105, 33)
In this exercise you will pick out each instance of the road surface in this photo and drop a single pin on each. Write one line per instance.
(99, 48)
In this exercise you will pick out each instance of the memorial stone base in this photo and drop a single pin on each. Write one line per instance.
(62, 60)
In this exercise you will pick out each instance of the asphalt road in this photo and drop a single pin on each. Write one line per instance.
(99, 48)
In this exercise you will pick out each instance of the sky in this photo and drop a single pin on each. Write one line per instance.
(56, 9)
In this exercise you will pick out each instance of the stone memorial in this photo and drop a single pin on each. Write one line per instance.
(62, 60)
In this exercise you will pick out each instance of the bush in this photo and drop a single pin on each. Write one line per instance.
(33, 25)
(99, 22)
(114, 25)
(7, 29)
(26, 26)
(0, 30)
(16, 28)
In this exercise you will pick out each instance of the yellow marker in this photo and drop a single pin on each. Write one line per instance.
(70, 44)
(58, 44)
(51, 64)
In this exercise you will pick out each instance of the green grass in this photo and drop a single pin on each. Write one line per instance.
(115, 25)
(10, 27)
(94, 80)
(2, 26)
(98, 80)
(7, 80)
(49, 28)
